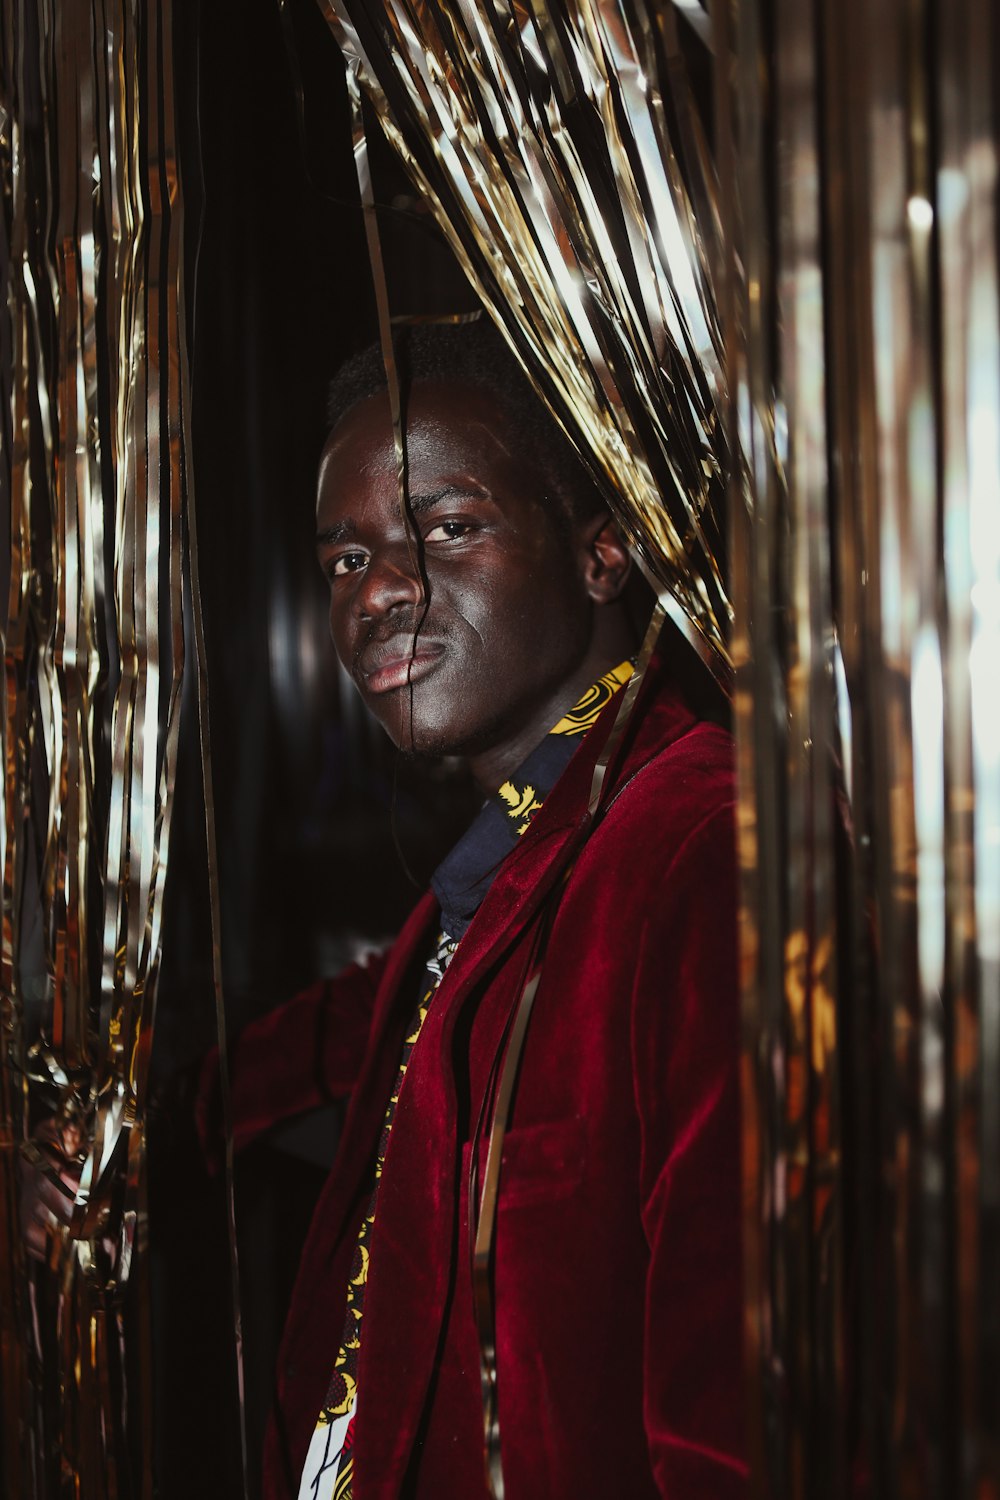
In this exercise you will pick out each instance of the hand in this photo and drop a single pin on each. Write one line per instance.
(45, 1205)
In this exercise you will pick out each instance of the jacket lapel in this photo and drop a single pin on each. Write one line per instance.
(396, 999)
(543, 854)
(414, 1235)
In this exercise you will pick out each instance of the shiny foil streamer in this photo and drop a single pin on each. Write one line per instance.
(540, 138)
(92, 473)
(857, 154)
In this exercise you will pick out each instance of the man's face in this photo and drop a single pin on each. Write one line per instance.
(479, 655)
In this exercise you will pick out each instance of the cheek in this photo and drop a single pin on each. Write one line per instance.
(495, 590)
(338, 618)
(539, 605)
(333, 621)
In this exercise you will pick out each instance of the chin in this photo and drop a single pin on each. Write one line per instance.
(423, 741)
(428, 730)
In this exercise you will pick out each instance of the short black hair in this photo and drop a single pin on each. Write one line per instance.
(474, 353)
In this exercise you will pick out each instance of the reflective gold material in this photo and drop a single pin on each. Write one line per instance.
(93, 371)
(541, 141)
(966, 182)
(857, 152)
(794, 308)
(385, 320)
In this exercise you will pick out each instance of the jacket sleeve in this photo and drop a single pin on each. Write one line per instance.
(299, 1056)
(685, 1051)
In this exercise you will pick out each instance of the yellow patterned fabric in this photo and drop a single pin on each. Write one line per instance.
(329, 1468)
(584, 715)
(522, 796)
(521, 804)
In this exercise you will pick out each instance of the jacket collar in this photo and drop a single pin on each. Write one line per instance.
(539, 858)
(464, 876)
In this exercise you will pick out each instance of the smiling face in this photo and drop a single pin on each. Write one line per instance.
(471, 630)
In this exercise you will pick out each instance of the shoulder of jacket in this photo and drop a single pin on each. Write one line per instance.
(677, 804)
(689, 778)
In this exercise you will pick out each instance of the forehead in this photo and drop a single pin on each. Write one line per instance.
(454, 434)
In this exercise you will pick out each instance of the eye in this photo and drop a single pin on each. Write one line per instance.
(448, 531)
(344, 563)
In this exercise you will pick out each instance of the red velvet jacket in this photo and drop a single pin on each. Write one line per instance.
(618, 1280)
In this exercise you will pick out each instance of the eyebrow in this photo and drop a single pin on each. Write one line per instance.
(330, 535)
(342, 531)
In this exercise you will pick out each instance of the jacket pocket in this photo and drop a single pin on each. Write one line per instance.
(542, 1163)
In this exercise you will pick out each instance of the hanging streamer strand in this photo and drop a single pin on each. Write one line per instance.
(93, 380)
(609, 312)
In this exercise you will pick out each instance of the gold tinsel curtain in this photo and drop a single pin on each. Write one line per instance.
(93, 453)
(542, 138)
(772, 328)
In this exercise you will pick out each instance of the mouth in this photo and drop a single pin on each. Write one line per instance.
(385, 669)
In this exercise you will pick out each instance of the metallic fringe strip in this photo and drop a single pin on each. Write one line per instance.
(858, 152)
(540, 142)
(205, 743)
(94, 377)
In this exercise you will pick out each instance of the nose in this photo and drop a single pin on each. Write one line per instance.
(391, 580)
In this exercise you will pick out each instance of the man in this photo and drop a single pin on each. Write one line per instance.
(488, 620)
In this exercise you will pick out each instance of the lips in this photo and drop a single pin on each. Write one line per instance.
(384, 667)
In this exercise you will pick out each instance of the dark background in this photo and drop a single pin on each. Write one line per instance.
(313, 807)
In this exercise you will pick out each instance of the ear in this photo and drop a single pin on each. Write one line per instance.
(604, 557)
